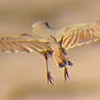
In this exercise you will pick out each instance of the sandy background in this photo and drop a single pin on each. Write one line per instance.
(22, 76)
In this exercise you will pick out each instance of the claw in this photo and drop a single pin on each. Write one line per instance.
(66, 75)
(49, 78)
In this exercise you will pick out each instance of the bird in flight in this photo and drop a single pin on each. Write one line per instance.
(54, 43)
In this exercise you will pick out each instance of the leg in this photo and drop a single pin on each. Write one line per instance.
(66, 75)
(49, 78)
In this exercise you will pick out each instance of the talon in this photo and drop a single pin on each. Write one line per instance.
(66, 75)
(49, 78)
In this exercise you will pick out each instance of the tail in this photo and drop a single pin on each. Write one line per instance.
(59, 57)
(59, 53)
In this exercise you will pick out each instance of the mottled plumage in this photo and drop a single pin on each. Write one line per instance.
(52, 42)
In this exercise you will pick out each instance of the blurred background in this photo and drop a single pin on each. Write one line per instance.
(22, 76)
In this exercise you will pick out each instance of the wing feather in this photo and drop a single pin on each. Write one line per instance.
(69, 41)
(77, 35)
(75, 39)
(22, 44)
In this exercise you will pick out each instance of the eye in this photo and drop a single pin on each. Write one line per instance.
(47, 24)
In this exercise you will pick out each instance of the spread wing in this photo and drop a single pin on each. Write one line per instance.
(77, 35)
(22, 43)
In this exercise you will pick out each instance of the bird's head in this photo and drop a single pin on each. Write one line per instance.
(41, 29)
(40, 24)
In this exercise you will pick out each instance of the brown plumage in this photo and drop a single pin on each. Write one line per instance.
(52, 42)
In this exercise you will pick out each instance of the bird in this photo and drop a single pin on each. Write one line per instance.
(52, 42)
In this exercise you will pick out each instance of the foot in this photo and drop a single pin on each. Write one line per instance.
(66, 75)
(49, 78)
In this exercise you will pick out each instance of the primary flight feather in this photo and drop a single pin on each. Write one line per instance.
(77, 35)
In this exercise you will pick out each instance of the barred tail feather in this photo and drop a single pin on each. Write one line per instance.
(59, 58)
